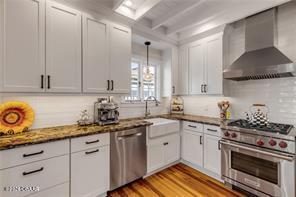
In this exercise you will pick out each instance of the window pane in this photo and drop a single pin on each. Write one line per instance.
(149, 79)
(135, 79)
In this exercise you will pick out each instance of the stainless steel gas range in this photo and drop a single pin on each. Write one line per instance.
(259, 160)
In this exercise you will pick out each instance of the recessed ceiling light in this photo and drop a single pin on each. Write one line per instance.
(128, 3)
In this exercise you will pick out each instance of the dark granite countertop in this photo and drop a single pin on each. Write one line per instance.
(37, 136)
(194, 118)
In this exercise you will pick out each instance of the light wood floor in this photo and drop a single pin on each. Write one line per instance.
(176, 181)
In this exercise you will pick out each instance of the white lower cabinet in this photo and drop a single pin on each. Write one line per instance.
(200, 147)
(192, 147)
(155, 156)
(42, 174)
(90, 172)
(162, 151)
(212, 154)
(57, 191)
(172, 149)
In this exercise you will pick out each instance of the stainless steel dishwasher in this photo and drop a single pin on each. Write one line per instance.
(128, 158)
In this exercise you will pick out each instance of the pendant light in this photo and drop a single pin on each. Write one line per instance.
(148, 75)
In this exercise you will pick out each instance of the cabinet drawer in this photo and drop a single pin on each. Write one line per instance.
(212, 130)
(56, 191)
(91, 141)
(28, 154)
(42, 174)
(192, 126)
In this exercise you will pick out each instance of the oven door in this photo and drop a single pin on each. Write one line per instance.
(257, 169)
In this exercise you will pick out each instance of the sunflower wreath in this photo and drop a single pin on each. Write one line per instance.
(15, 117)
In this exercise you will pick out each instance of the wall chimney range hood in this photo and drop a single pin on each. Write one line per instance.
(262, 59)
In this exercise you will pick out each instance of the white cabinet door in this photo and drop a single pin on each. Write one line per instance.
(56, 191)
(120, 59)
(63, 48)
(95, 55)
(90, 172)
(183, 71)
(214, 76)
(22, 45)
(196, 68)
(175, 71)
(43, 174)
(192, 147)
(155, 156)
(172, 149)
(212, 154)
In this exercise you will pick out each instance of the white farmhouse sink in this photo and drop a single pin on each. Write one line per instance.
(162, 127)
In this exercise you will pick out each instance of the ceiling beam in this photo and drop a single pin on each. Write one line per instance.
(215, 16)
(176, 11)
(145, 7)
(191, 22)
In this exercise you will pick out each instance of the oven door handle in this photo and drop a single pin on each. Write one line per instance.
(278, 155)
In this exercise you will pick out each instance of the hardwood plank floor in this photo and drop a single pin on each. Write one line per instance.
(176, 181)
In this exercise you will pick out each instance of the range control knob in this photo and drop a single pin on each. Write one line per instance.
(226, 134)
(234, 135)
(283, 144)
(260, 142)
(272, 142)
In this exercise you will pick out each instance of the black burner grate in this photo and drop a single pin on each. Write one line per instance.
(271, 127)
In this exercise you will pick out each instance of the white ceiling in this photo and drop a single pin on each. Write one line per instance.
(176, 18)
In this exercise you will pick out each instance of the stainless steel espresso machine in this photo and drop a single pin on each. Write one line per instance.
(106, 112)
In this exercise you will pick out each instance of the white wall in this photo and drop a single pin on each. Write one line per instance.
(65, 109)
(278, 94)
(141, 50)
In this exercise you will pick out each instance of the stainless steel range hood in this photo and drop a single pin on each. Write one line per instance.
(262, 59)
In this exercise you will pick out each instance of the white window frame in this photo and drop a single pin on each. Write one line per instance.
(142, 62)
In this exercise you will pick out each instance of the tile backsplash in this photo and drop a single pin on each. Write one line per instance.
(278, 94)
(63, 110)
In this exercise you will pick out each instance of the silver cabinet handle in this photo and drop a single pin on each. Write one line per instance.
(277, 155)
(129, 136)
(200, 140)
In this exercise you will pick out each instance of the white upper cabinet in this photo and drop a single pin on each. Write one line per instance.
(201, 65)
(22, 45)
(95, 55)
(196, 68)
(214, 62)
(175, 71)
(120, 59)
(183, 71)
(41, 50)
(63, 48)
